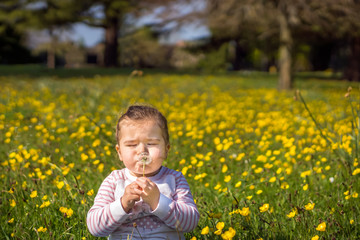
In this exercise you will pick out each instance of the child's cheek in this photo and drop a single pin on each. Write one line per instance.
(154, 153)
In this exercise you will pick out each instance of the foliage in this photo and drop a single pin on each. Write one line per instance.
(11, 49)
(215, 60)
(141, 49)
(256, 160)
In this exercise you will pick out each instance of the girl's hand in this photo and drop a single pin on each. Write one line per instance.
(131, 195)
(150, 192)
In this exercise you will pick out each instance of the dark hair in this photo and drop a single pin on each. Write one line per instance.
(144, 112)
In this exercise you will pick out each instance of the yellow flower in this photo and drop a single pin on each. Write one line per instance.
(42, 229)
(309, 206)
(355, 195)
(306, 187)
(60, 185)
(227, 178)
(84, 157)
(291, 214)
(193, 238)
(67, 211)
(220, 225)
(321, 227)
(238, 184)
(228, 235)
(205, 230)
(45, 204)
(245, 211)
(11, 220)
(90, 193)
(273, 179)
(316, 237)
(218, 232)
(12, 203)
(352, 221)
(259, 192)
(264, 207)
(356, 171)
(284, 185)
(33, 194)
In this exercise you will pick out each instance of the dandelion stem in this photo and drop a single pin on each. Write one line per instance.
(144, 168)
(135, 226)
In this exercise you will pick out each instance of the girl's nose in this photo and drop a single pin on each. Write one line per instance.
(142, 148)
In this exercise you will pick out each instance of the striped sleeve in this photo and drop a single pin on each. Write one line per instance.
(180, 212)
(106, 214)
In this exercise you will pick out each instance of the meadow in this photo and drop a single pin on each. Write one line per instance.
(261, 164)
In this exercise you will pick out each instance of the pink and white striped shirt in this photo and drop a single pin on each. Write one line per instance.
(176, 212)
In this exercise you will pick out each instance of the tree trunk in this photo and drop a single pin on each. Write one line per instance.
(50, 60)
(285, 50)
(352, 72)
(111, 42)
(239, 56)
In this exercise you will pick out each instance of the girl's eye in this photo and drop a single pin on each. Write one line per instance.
(152, 144)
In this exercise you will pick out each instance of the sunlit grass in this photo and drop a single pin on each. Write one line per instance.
(258, 165)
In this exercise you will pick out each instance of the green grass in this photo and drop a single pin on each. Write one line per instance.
(239, 142)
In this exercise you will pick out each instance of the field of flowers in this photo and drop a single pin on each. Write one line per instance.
(261, 164)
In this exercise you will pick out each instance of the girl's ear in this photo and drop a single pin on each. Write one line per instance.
(167, 148)
(118, 151)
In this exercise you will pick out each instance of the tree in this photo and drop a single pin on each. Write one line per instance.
(12, 33)
(52, 16)
(113, 15)
(284, 18)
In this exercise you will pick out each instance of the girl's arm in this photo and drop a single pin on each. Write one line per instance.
(106, 214)
(180, 212)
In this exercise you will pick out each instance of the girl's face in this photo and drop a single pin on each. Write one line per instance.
(141, 137)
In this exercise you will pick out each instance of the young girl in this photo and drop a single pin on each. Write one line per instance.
(144, 200)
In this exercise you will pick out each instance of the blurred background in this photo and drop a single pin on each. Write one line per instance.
(277, 36)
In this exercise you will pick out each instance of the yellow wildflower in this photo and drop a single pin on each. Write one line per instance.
(60, 185)
(309, 206)
(220, 225)
(33, 194)
(90, 193)
(238, 184)
(227, 178)
(42, 229)
(205, 230)
(264, 207)
(273, 179)
(356, 171)
(321, 227)
(12, 203)
(291, 214)
(316, 237)
(45, 204)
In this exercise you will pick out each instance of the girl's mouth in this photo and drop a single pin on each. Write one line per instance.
(144, 158)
